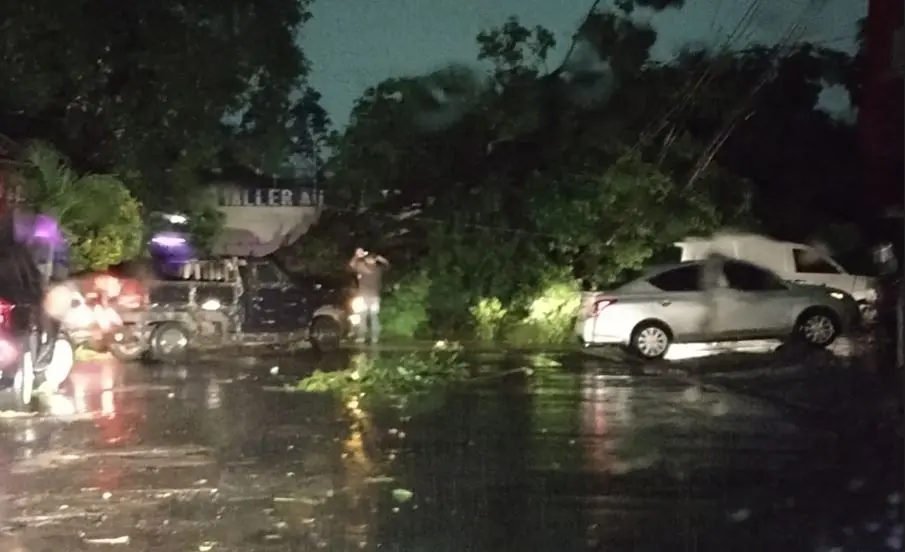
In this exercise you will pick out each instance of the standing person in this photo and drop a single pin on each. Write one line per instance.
(369, 271)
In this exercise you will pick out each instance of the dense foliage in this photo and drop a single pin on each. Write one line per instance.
(491, 189)
(495, 186)
(160, 94)
(408, 382)
(98, 216)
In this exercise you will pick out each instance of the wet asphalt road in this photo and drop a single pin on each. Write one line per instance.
(595, 454)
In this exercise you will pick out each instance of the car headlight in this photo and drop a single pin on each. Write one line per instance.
(837, 295)
(359, 305)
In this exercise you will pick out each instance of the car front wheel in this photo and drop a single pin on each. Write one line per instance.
(650, 340)
(817, 327)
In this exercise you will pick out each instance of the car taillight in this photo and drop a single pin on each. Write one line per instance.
(8, 352)
(6, 313)
(601, 304)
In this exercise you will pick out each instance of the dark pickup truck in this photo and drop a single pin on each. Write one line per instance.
(216, 303)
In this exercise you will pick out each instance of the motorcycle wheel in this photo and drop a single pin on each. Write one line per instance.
(24, 383)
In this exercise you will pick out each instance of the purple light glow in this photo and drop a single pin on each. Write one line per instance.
(42, 227)
(46, 229)
(173, 247)
(168, 240)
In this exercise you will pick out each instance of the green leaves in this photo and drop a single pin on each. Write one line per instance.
(100, 218)
(616, 219)
(514, 50)
(516, 179)
(588, 170)
(391, 381)
(402, 495)
(146, 90)
(403, 311)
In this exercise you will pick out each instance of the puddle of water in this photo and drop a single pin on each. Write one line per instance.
(576, 456)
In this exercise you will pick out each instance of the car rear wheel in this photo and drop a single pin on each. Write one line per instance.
(817, 327)
(326, 333)
(169, 342)
(650, 340)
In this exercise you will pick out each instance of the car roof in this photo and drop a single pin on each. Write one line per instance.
(653, 270)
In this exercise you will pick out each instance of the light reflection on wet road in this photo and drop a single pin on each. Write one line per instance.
(216, 457)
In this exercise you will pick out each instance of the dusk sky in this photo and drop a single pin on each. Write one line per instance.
(354, 44)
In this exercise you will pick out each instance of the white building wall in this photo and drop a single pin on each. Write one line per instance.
(261, 220)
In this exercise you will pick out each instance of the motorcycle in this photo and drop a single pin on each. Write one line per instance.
(35, 352)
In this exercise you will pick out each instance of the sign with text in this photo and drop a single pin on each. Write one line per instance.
(270, 197)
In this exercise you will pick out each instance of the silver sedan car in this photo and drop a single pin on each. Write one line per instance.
(711, 301)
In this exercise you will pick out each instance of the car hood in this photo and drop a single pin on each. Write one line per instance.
(823, 291)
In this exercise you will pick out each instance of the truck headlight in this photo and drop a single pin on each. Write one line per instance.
(210, 305)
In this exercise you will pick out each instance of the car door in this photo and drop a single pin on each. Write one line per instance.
(752, 302)
(265, 299)
(682, 305)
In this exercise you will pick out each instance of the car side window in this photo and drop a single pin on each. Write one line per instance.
(267, 274)
(686, 278)
(747, 277)
(810, 262)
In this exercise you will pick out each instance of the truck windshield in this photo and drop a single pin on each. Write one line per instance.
(280, 267)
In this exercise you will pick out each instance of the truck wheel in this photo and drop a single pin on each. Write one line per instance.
(169, 342)
(325, 333)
